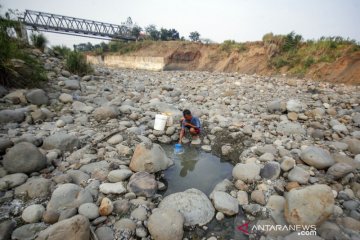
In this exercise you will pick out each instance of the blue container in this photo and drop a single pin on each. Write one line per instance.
(179, 149)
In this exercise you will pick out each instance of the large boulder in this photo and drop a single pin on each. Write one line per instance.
(309, 205)
(8, 116)
(105, 113)
(149, 158)
(193, 204)
(37, 97)
(61, 141)
(317, 157)
(24, 157)
(75, 228)
(166, 224)
(67, 196)
(247, 172)
(142, 184)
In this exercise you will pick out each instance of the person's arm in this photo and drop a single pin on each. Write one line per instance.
(197, 124)
(181, 135)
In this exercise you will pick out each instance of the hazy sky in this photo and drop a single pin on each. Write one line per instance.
(241, 20)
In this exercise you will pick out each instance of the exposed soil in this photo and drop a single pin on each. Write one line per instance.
(254, 60)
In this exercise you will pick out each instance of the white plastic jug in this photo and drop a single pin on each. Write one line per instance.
(160, 122)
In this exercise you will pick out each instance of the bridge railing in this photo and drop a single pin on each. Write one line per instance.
(74, 26)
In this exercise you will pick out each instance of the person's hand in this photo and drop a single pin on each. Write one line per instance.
(187, 124)
(180, 141)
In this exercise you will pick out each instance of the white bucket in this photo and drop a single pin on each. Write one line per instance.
(160, 122)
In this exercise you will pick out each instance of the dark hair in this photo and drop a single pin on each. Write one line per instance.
(186, 112)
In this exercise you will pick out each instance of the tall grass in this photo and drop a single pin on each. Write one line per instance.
(18, 67)
(76, 63)
(38, 40)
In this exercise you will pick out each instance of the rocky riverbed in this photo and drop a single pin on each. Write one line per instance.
(80, 158)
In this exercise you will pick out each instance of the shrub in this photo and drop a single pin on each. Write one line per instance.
(230, 45)
(18, 67)
(76, 63)
(309, 61)
(61, 50)
(291, 42)
(39, 40)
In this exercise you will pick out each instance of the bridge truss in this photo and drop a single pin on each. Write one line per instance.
(48, 22)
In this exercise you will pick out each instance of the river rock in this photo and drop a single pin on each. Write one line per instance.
(89, 210)
(61, 141)
(28, 231)
(225, 203)
(125, 225)
(247, 172)
(106, 207)
(7, 226)
(339, 170)
(317, 157)
(35, 187)
(5, 144)
(105, 112)
(116, 139)
(297, 174)
(142, 184)
(12, 180)
(68, 196)
(193, 204)
(24, 157)
(37, 97)
(75, 228)
(149, 159)
(33, 213)
(105, 233)
(290, 128)
(309, 205)
(66, 98)
(271, 170)
(119, 175)
(11, 116)
(112, 188)
(72, 84)
(354, 145)
(294, 105)
(287, 164)
(166, 224)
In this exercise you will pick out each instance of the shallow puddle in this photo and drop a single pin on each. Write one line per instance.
(194, 169)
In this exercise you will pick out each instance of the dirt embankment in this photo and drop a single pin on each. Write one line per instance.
(254, 59)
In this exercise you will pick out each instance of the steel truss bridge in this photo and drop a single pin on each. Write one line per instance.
(48, 22)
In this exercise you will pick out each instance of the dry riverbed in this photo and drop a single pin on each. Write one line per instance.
(80, 159)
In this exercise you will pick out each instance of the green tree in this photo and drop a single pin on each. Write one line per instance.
(152, 32)
(135, 31)
(194, 36)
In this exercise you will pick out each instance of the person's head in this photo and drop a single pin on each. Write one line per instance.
(187, 114)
